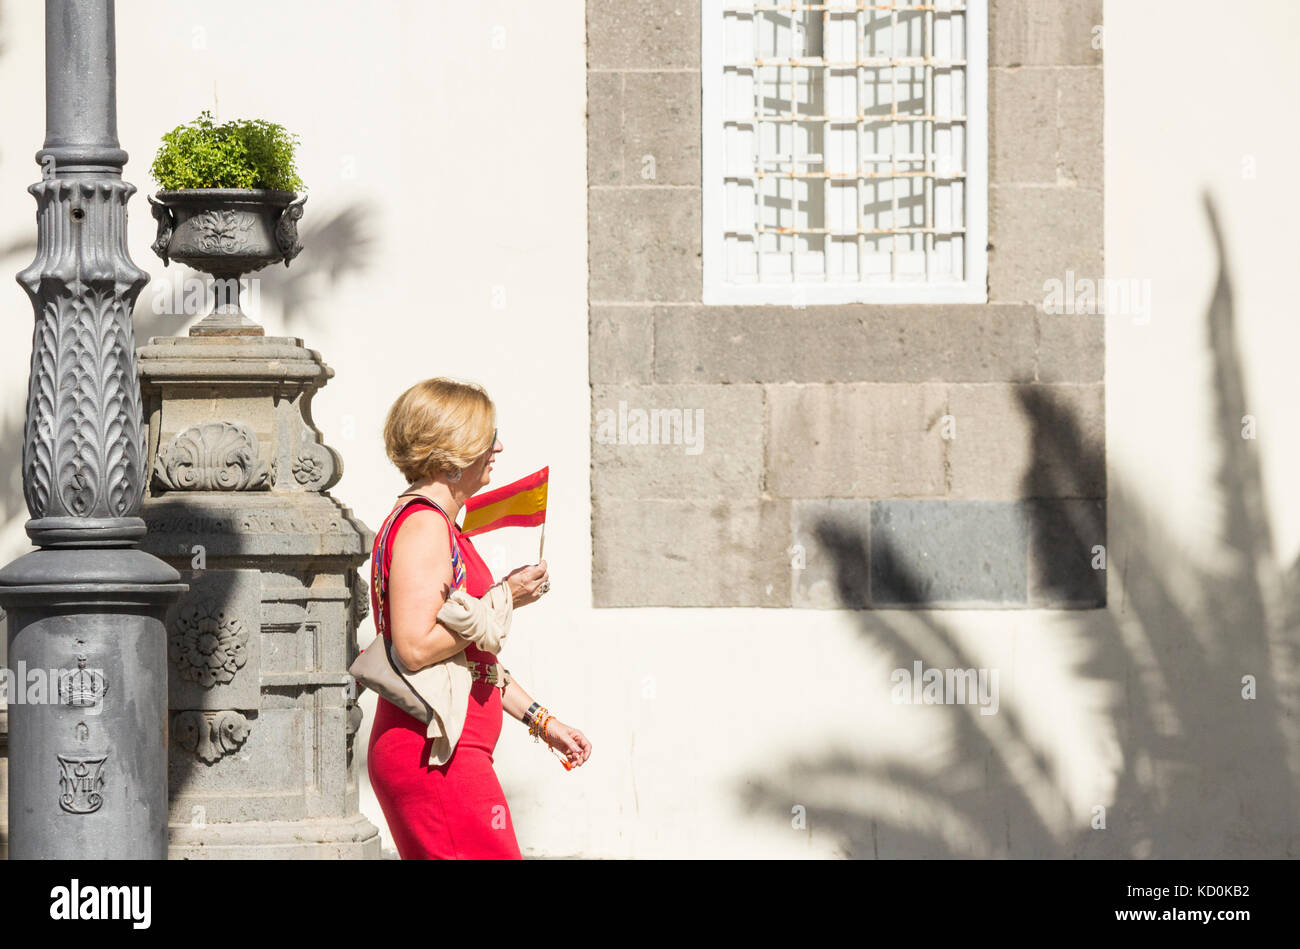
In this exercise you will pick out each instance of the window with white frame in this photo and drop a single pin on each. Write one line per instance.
(845, 151)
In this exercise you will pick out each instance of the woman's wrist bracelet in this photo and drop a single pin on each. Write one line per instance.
(536, 721)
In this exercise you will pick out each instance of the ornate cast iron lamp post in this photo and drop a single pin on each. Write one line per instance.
(88, 759)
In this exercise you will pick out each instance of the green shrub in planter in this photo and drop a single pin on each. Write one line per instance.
(243, 153)
(227, 205)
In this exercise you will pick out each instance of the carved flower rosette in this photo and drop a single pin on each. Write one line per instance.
(207, 644)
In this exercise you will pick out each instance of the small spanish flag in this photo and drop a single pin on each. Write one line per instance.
(522, 504)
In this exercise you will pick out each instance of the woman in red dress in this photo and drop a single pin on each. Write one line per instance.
(442, 436)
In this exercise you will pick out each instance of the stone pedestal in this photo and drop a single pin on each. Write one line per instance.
(261, 722)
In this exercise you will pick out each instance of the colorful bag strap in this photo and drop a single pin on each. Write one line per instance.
(379, 570)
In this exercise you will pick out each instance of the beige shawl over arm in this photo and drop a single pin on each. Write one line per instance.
(445, 686)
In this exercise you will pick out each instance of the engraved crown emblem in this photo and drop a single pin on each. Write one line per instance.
(82, 688)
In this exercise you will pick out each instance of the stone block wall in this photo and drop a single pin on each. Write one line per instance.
(851, 455)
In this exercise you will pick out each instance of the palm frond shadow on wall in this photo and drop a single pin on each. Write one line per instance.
(1202, 771)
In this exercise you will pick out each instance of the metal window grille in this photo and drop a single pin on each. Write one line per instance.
(845, 152)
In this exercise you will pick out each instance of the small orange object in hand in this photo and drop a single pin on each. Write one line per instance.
(564, 759)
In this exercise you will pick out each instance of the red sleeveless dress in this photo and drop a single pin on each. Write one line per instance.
(456, 811)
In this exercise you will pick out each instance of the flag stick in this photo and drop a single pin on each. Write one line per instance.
(541, 546)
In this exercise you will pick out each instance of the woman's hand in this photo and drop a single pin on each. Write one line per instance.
(526, 583)
(569, 742)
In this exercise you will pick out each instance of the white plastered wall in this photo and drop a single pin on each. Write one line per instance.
(457, 132)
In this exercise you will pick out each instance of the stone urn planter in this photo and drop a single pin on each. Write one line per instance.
(227, 232)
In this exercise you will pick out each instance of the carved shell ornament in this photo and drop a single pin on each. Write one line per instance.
(208, 645)
(210, 735)
(214, 456)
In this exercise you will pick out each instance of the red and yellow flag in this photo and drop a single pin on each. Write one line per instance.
(522, 504)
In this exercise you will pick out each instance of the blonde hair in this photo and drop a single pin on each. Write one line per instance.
(439, 426)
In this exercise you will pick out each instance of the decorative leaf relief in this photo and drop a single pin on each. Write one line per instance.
(84, 447)
(223, 232)
(125, 438)
(80, 472)
(38, 461)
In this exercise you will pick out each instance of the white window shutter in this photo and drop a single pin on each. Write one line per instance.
(845, 151)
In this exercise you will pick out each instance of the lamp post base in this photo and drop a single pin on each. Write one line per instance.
(87, 703)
